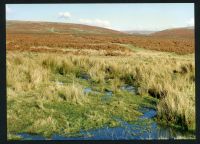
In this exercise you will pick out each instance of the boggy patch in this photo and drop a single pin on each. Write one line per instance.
(107, 96)
(130, 88)
(143, 128)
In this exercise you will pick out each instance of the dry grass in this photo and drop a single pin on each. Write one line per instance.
(173, 83)
(38, 60)
(62, 43)
(72, 93)
(27, 36)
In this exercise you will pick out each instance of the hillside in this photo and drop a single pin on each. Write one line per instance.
(62, 38)
(186, 32)
(54, 27)
(91, 40)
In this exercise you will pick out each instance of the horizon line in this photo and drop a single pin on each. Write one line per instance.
(43, 21)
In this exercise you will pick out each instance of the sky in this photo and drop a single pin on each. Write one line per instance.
(152, 17)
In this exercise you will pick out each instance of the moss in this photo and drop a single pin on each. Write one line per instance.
(14, 137)
(56, 103)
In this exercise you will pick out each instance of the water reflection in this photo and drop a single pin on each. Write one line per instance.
(144, 128)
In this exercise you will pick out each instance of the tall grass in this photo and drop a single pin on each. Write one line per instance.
(72, 93)
(168, 78)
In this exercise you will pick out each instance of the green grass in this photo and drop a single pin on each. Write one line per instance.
(14, 137)
(38, 104)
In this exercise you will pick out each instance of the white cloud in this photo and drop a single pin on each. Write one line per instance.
(190, 22)
(96, 22)
(8, 10)
(64, 15)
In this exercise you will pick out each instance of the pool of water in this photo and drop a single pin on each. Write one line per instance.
(144, 128)
(129, 88)
(87, 90)
(147, 113)
(90, 90)
(107, 96)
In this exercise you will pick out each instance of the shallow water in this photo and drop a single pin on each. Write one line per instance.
(129, 88)
(147, 113)
(87, 90)
(107, 96)
(144, 128)
(90, 90)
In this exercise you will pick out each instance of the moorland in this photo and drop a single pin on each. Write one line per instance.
(63, 78)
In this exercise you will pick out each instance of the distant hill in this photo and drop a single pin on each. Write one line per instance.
(60, 37)
(139, 32)
(14, 26)
(54, 27)
(186, 32)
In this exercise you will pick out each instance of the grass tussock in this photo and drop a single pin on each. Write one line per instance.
(72, 93)
(49, 88)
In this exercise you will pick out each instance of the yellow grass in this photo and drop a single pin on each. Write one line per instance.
(169, 76)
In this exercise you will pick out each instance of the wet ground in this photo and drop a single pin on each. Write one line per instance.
(129, 88)
(144, 128)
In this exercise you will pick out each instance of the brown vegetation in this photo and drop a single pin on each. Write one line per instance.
(187, 32)
(23, 36)
(46, 92)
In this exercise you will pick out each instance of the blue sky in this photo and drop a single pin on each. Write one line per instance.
(115, 16)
